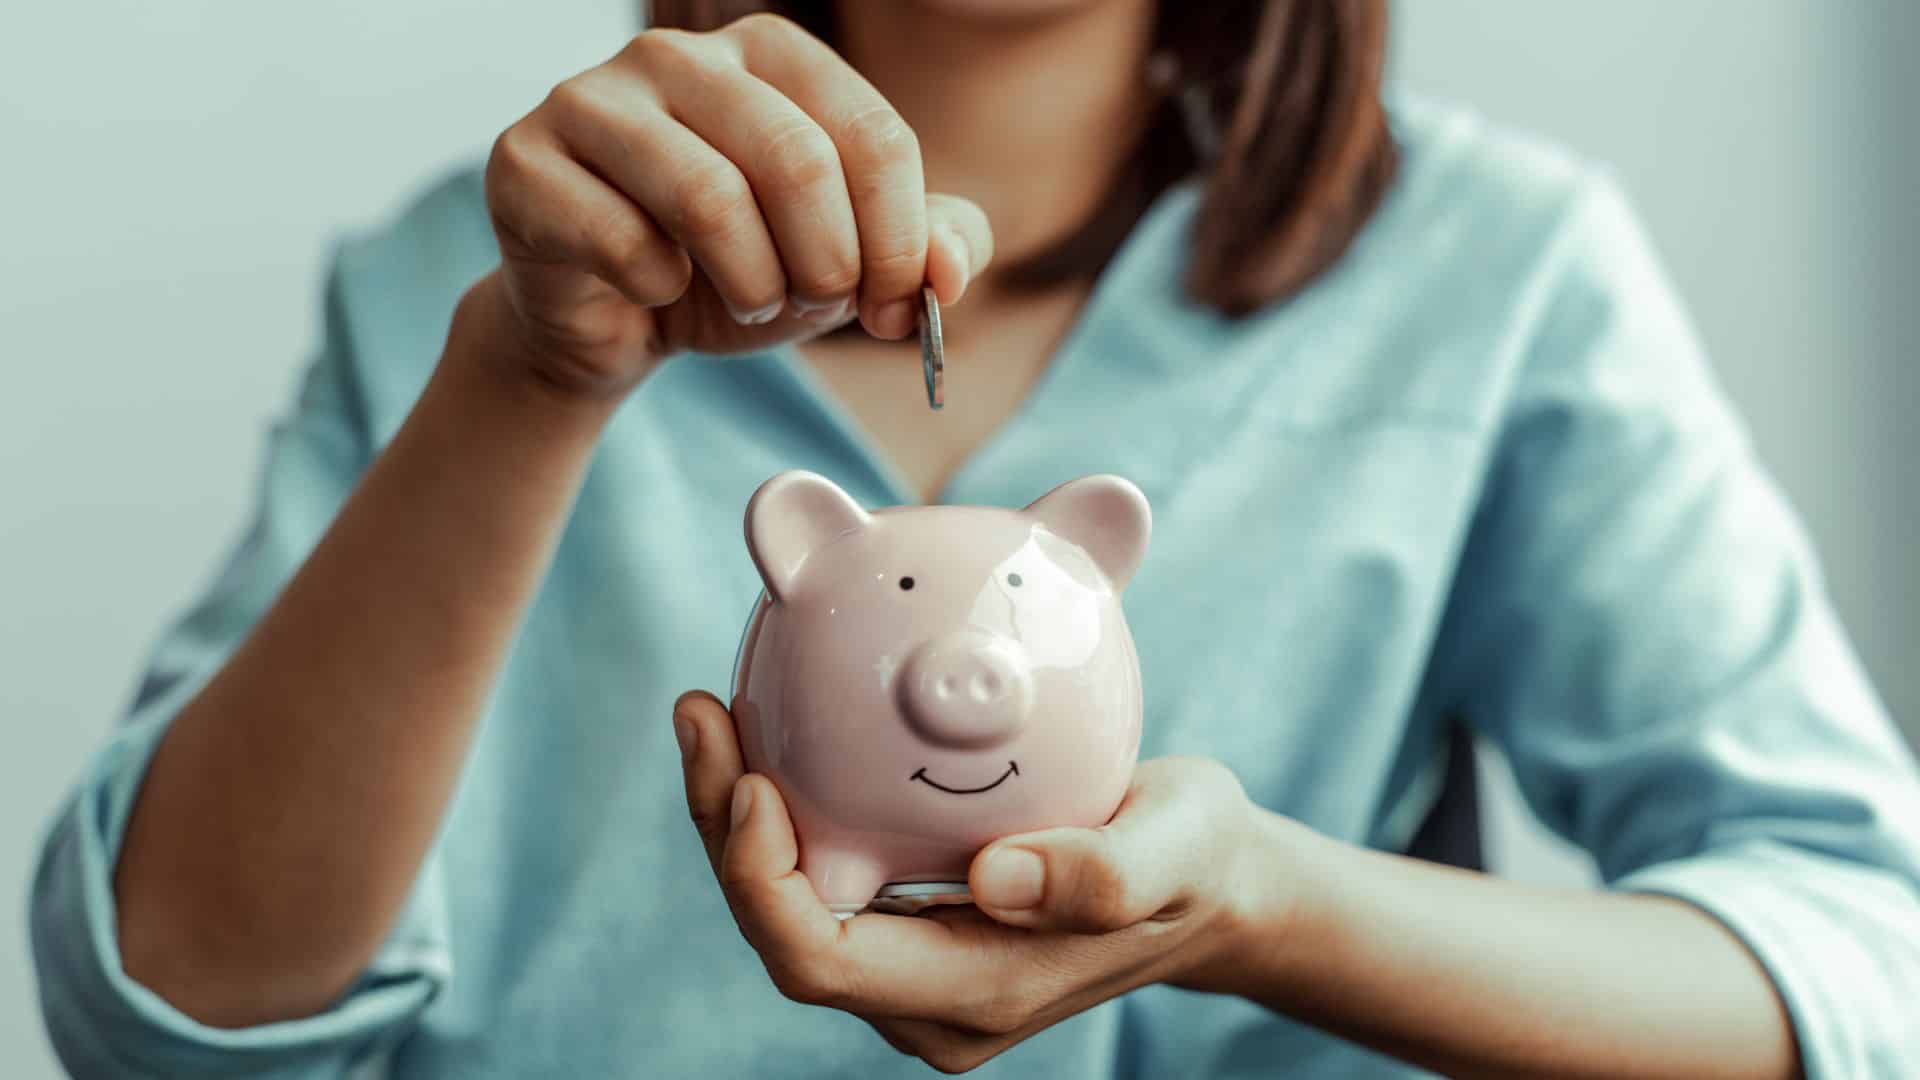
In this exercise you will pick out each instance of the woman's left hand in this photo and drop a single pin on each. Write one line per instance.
(1064, 919)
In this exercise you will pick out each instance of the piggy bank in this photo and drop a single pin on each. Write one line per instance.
(921, 681)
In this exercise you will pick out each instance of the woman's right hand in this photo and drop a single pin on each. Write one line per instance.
(714, 192)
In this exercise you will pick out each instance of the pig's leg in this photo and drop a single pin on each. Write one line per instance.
(845, 880)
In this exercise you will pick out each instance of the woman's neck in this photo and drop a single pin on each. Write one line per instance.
(1030, 118)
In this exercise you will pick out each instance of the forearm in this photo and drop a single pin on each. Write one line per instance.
(286, 811)
(1474, 976)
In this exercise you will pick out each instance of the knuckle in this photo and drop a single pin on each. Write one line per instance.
(893, 1036)
(668, 281)
(1002, 1016)
(953, 1057)
(708, 201)
(914, 1038)
(944, 1061)
(581, 98)
(734, 880)
(712, 827)
(1220, 782)
(799, 157)
(894, 256)
(766, 27)
(840, 278)
(1222, 777)
(682, 57)
(999, 1006)
(567, 94)
(648, 278)
(881, 139)
(601, 99)
(1197, 768)
(511, 155)
(619, 242)
(512, 206)
(1217, 784)
(651, 49)
(1101, 896)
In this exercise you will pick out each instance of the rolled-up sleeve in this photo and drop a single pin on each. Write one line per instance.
(1639, 622)
(102, 1022)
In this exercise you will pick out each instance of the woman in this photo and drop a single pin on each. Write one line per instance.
(1426, 436)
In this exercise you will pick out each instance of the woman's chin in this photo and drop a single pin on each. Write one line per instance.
(1008, 9)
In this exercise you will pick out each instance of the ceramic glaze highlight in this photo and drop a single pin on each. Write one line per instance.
(921, 681)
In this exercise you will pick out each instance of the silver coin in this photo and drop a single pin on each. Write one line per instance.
(911, 898)
(933, 356)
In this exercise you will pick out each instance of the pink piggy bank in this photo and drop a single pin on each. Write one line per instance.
(919, 682)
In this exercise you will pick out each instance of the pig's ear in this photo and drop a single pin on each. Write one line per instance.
(789, 518)
(1107, 516)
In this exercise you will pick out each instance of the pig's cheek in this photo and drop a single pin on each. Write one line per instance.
(1078, 753)
(853, 759)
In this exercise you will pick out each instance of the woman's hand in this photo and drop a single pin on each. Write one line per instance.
(1066, 918)
(714, 192)
(1194, 885)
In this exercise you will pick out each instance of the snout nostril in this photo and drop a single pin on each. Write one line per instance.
(966, 689)
(977, 689)
(984, 687)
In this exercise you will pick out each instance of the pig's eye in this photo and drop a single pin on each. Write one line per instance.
(1014, 580)
(906, 583)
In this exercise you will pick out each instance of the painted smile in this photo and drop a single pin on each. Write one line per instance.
(920, 774)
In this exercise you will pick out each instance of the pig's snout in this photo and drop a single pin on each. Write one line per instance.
(967, 689)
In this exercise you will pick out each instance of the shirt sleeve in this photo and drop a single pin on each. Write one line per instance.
(102, 1022)
(1639, 622)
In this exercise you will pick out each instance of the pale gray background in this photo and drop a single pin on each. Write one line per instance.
(171, 174)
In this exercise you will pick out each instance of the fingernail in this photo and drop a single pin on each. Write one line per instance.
(892, 320)
(758, 317)
(742, 801)
(823, 313)
(684, 733)
(1012, 879)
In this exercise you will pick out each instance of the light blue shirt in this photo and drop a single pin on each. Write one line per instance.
(1478, 469)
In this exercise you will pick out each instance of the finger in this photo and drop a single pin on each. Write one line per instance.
(959, 245)
(711, 761)
(943, 1046)
(550, 210)
(964, 1039)
(614, 126)
(791, 164)
(902, 1035)
(971, 974)
(1134, 869)
(775, 906)
(878, 153)
(954, 1047)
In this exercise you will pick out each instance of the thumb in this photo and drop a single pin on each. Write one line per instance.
(1085, 880)
(959, 244)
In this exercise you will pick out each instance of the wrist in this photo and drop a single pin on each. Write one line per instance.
(1272, 907)
(490, 342)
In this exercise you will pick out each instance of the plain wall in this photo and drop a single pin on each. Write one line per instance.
(1771, 148)
(172, 177)
(174, 174)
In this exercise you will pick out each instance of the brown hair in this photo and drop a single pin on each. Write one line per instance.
(1286, 127)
